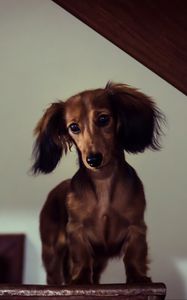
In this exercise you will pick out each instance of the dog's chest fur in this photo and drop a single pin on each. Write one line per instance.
(102, 210)
(103, 191)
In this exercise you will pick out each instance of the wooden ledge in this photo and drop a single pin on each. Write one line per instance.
(154, 291)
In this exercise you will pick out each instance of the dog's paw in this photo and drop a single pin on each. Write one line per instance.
(139, 279)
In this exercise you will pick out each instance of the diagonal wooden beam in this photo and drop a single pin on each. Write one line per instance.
(153, 32)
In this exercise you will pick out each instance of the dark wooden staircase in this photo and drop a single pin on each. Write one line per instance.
(153, 32)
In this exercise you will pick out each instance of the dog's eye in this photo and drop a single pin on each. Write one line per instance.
(74, 127)
(103, 120)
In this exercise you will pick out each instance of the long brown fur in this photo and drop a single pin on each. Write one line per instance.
(99, 212)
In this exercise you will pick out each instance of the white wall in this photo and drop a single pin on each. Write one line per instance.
(45, 54)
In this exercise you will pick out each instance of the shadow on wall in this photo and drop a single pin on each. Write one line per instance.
(32, 264)
(170, 274)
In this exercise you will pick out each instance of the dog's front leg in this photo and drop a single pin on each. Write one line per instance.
(53, 264)
(81, 262)
(135, 258)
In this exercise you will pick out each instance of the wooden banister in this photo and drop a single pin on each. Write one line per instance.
(154, 291)
(153, 32)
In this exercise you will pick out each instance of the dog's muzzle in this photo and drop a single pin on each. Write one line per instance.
(94, 160)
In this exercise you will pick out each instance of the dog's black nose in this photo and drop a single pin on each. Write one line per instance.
(94, 159)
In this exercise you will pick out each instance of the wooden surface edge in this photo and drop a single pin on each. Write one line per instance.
(153, 289)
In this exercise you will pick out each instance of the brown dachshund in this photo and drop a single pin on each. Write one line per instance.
(99, 213)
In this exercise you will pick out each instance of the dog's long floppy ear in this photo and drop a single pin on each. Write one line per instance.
(51, 139)
(138, 118)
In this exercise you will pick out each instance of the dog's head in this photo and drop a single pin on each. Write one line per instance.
(100, 123)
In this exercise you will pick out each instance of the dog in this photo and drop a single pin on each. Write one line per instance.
(98, 214)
